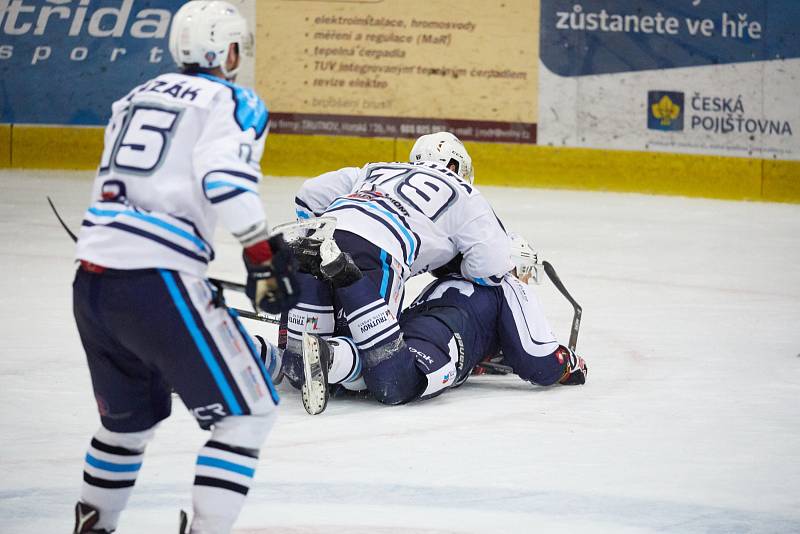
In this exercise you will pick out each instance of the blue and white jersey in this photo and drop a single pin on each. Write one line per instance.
(180, 151)
(421, 213)
(505, 318)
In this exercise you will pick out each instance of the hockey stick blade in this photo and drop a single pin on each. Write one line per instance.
(577, 310)
(496, 368)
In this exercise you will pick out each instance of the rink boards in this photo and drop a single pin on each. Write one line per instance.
(519, 165)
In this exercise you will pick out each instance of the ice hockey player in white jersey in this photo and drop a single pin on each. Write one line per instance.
(395, 220)
(452, 326)
(181, 151)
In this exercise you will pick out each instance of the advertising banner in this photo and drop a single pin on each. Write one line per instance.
(66, 61)
(692, 76)
(400, 68)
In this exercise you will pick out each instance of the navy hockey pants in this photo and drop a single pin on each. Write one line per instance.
(148, 331)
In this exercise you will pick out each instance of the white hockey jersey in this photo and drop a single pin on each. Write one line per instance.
(180, 151)
(421, 213)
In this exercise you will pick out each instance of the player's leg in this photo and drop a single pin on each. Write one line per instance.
(207, 356)
(314, 314)
(131, 398)
(396, 370)
(423, 365)
(369, 287)
(528, 343)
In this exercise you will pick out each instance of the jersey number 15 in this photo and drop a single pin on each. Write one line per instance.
(141, 139)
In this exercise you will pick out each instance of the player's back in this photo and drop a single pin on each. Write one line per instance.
(422, 213)
(152, 205)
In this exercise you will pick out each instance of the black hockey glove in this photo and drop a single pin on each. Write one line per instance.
(271, 280)
(306, 250)
(451, 267)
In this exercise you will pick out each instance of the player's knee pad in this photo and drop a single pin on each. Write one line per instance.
(246, 431)
(134, 441)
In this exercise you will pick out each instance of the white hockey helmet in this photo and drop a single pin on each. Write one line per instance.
(524, 258)
(446, 148)
(202, 32)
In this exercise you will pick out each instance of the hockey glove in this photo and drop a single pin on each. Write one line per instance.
(451, 267)
(575, 370)
(271, 281)
(306, 250)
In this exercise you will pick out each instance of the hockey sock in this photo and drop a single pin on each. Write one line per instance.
(314, 314)
(223, 477)
(224, 472)
(112, 464)
(372, 324)
(345, 361)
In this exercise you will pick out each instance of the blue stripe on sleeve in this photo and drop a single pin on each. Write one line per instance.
(222, 183)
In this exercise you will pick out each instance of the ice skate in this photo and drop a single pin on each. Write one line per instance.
(87, 516)
(316, 362)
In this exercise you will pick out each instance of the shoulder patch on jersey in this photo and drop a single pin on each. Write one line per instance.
(249, 109)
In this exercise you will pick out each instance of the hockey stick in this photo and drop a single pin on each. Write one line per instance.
(576, 317)
(63, 224)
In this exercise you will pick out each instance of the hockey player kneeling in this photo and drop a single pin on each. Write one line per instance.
(450, 328)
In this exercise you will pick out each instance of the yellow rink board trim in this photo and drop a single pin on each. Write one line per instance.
(45, 147)
(312, 155)
(5, 146)
(781, 182)
(56, 147)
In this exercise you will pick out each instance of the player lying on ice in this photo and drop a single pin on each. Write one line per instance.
(452, 326)
(395, 220)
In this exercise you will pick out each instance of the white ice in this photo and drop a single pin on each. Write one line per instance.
(688, 422)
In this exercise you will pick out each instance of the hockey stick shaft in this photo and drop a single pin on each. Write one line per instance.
(577, 310)
(497, 367)
(63, 224)
(264, 318)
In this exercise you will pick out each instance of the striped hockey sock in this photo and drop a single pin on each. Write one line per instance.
(108, 477)
(224, 474)
(346, 364)
(372, 323)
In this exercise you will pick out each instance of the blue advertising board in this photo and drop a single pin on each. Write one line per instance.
(66, 61)
(585, 37)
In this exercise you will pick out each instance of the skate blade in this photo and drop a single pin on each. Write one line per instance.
(315, 389)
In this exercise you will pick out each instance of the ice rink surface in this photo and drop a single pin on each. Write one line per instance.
(688, 422)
